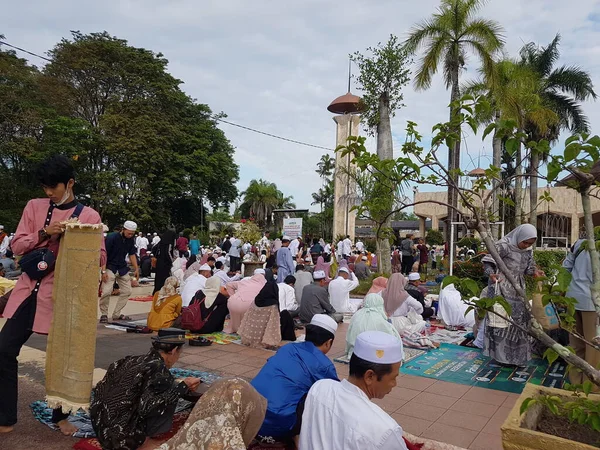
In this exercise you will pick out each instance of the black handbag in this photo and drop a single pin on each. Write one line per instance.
(40, 262)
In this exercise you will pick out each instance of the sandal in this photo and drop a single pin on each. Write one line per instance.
(200, 342)
(122, 317)
(103, 319)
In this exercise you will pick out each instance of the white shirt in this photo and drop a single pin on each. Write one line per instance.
(327, 248)
(340, 248)
(4, 245)
(155, 240)
(287, 298)
(192, 285)
(246, 248)
(264, 243)
(142, 242)
(346, 246)
(407, 305)
(223, 259)
(226, 278)
(235, 248)
(340, 416)
(360, 246)
(339, 293)
(294, 245)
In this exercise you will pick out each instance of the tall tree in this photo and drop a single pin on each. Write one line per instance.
(446, 38)
(382, 76)
(260, 199)
(562, 90)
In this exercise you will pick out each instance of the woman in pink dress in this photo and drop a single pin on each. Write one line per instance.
(241, 296)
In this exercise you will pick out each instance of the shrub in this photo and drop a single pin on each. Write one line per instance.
(471, 268)
(434, 237)
(468, 242)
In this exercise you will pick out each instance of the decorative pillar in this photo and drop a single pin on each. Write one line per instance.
(344, 220)
(435, 223)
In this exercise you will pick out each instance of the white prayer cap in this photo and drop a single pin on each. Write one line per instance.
(344, 269)
(285, 238)
(325, 322)
(319, 275)
(259, 271)
(364, 258)
(155, 234)
(204, 267)
(414, 276)
(1, 227)
(130, 225)
(378, 347)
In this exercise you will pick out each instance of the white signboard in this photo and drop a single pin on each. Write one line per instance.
(292, 227)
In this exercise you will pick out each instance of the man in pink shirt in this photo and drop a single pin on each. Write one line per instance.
(29, 309)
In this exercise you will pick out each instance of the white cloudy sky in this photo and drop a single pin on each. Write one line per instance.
(276, 65)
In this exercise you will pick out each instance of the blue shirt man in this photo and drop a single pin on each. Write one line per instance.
(287, 377)
(284, 260)
(118, 248)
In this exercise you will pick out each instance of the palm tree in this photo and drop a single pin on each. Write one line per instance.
(260, 198)
(447, 37)
(561, 90)
(325, 166)
(511, 89)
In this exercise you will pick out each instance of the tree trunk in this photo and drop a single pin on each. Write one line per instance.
(453, 157)
(534, 161)
(497, 162)
(518, 187)
(385, 150)
(594, 255)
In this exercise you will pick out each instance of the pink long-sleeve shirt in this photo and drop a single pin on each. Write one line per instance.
(27, 239)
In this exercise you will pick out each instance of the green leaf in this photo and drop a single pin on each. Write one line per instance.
(563, 278)
(506, 200)
(595, 421)
(528, 402)
(553, 170)
(572, 138)
(550, 355)
(449, 280)
(572, 151)
(491, 127)
(511, 145)
(587, 387)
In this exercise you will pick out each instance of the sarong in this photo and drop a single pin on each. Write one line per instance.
(72, 339)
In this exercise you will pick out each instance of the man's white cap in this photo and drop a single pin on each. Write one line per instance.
(319, 275)
(259, 271)
(155, 234)
(378, 347)
(285, 238)
(325, 322)
(364, 258)
(204, 267)
(414, 276)
(344, 269)
(130, 225)
(1, 227)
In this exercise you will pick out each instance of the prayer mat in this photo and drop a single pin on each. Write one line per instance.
(147, 298)
(444, 336)
(178, 420)
(72, 339)
(218, 337)
(468, 366)
(409, 355)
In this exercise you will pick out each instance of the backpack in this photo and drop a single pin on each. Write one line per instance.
(191, 316)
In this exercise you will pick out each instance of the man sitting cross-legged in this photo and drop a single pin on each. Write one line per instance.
(341, 415)
(286, 378)
(137, 397)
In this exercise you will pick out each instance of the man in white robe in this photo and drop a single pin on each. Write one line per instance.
(341, 415)
(339, 291)
(195, 283)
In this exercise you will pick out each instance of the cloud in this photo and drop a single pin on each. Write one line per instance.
(275, 66)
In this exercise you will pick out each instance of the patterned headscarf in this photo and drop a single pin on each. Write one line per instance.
(227, 416)
(395, 293)
(169, 289)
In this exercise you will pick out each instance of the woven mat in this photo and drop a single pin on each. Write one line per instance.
(409, 353)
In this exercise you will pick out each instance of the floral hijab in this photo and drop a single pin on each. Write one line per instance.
(169, 289)
(227, 417)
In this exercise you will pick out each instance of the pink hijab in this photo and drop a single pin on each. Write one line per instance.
(394, 294)
(322, 265)
(379, 284)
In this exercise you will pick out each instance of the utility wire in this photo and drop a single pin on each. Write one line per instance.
(217, 118)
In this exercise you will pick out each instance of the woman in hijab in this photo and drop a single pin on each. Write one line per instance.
(509, 345)
(213, 310)
(379, 284)
(227, 417)
(371, 317)
(195, 266)
(241, 296)
(164, 253)
(166, 306)
(403, 310)
(262, 325)
(325, 267)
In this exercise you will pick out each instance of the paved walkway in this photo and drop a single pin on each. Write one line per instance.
(468, 417)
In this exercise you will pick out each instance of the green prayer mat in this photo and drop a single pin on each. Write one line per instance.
(468, 366)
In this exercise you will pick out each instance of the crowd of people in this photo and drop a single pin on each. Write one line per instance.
(297, 397)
